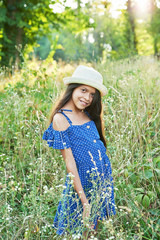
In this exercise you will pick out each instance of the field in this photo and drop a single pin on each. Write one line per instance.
(32, 175)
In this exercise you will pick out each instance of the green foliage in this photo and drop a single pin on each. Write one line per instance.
(24, 23)
(112, 37)
(32, 175)
(106, 31)
(87, 33)
(43, 48)
(154, 29)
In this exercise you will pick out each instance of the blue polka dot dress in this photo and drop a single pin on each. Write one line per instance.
(95, 173)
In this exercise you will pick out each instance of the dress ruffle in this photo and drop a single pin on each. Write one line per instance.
(57, 139)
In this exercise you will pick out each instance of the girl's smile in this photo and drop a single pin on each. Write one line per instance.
(82, 96)
(83, 102)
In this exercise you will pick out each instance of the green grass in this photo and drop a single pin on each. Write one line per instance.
(32, 175)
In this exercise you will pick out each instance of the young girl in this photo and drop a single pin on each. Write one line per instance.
(76, 129)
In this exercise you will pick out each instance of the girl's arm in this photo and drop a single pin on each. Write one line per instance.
(72, 168)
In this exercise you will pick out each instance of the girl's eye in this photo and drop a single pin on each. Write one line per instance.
(83, 89)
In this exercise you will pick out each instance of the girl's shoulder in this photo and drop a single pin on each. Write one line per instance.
(56, 135)
(60, 123)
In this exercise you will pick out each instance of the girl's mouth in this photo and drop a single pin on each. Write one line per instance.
(83, 103)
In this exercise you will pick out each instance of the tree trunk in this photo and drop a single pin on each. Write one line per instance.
(12, 36)
(79, 38)
(78, 5)
(19, 44)
(155, 46)
(132, 35)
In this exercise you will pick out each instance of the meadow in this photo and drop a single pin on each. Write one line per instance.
(32, 174)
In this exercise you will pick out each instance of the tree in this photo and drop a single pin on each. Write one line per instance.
(130, 33)
(70, 36)
(23, 22)
(154, 29)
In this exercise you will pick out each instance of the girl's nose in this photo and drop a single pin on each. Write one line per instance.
(87, 96)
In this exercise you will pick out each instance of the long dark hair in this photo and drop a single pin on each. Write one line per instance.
(94, 110)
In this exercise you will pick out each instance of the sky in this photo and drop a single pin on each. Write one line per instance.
(116, 6)
(59, 7)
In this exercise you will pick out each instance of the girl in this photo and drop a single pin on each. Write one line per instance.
(76, 129)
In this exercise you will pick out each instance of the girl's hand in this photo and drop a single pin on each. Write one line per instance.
(86, 215)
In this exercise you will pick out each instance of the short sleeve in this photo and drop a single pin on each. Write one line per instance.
(57, 139)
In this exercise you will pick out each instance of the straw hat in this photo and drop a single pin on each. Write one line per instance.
(87, 76)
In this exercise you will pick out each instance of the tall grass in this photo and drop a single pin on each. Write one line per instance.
(32, 175)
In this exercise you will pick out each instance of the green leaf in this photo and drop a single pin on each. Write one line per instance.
(148, 173)
(139, 198)
(2, 14)
(157, 170)
(152, 195)
(146, 201)
(156, 160)
(140, 190)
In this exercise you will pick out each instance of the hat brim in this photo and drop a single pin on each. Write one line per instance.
(85, 81)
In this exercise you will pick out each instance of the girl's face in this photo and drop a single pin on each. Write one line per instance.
(82, 96)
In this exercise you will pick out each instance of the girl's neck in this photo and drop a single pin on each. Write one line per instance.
(71, 106)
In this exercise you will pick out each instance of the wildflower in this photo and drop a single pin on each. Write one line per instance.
(93, 161)
(100, 158)
(92, 237)
(71, 175)
(45, 188)
(76, 236)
